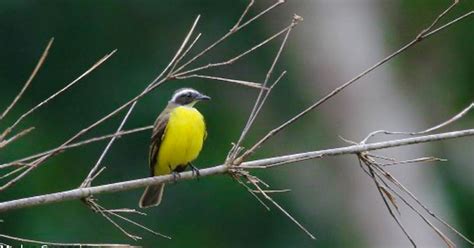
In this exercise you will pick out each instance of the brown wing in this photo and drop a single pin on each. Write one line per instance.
(156, 138)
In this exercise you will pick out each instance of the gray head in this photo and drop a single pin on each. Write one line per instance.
(188, 97)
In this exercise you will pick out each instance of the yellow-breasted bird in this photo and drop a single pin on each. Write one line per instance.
(177, 139)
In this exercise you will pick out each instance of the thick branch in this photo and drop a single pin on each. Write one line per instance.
(222, 169)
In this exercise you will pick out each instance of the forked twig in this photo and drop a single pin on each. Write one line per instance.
(262, 96)
(387, 205)
(270, 199)
(231, 32)
(23, 161)
(22, 133)
(375, 170)
(179, 73)
(404, 189)
(252, 192)
(33, 109)
(108, 213)
(429, 130)
(448, 242)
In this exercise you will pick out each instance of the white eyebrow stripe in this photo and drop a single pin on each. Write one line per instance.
(182, 92)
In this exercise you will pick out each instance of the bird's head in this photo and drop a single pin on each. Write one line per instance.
(188, 97)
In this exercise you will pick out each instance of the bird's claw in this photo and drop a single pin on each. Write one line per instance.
(195, 170)
(176, 176)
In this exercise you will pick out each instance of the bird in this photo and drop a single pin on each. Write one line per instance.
(177, 139)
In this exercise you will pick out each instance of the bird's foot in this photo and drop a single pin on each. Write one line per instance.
(194, 169)
(176, 176)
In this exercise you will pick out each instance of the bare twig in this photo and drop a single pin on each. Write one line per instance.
(13, 172)
(389, 209)
(429, 130)
(253, 115)
(283, 210)
(231, 32)
(375, 170)
(22, 133)
(74, 145)
(404, 189)
(416, 160)
(236, 81)
(252, 192)
(30, 79)
(97, 64)
(183, 54)
(262, 96)
(272, 191)
(109, 213)
(61, 244)
(232, 60)
(251, 2)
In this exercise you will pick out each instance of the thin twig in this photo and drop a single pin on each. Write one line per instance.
(232, 60)
(448, 242)
(30, 79)
(251, 2)
(253, 115)
(22, 133)
(251, 191)
(13, 172)
(74, 145)
(97, 64)
(61, 244)
(236, 81)
(105, 211)
(271, 191)
(429, 130)
(416, 160)
(113, 222)
(259, 101)
(185, 52)
(224, 37)
(283, 211)
(409, 193)
(389, 209)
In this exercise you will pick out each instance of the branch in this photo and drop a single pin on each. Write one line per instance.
(223, 169)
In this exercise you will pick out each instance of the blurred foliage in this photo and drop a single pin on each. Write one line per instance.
(215, 212)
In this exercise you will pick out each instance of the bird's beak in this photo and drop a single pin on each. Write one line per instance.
(203, 98)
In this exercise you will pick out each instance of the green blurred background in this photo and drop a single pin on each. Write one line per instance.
(433, 81)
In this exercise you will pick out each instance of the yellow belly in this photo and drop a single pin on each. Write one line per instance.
(182, 141)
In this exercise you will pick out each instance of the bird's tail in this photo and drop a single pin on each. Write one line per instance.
(152, 196)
